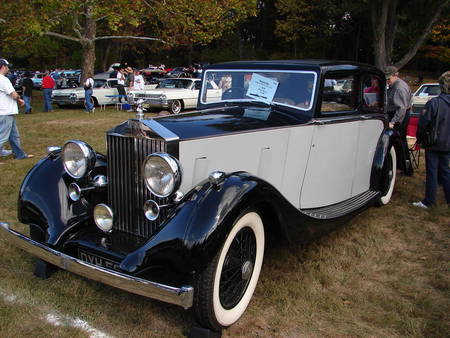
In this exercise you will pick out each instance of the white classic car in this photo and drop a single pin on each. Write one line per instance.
(174, 94)
(422, 95)
(104, 92)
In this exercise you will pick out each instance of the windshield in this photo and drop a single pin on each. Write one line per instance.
(288, 88)
(429, 90)
(175, 83)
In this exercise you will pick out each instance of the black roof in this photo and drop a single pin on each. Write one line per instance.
(293, 64)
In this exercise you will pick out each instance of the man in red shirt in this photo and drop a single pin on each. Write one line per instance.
(47, 86)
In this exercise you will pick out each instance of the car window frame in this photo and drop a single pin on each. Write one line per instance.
(356, 82)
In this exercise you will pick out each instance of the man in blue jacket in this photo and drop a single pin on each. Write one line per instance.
(437, 157)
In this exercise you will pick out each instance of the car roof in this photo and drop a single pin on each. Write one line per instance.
(295, 64)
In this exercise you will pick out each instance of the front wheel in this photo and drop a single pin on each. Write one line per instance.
(389, 171)
(224, 289)
(175, 106)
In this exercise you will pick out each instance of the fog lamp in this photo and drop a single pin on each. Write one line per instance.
(74, 192)
(103, 217)
(151, 210)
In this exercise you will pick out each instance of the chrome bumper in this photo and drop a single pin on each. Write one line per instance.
(179, 296)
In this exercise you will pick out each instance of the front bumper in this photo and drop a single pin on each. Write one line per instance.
(182, 296)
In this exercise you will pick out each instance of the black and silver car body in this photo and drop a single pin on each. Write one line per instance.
(181, 207)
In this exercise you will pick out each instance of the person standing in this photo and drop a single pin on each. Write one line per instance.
(139, 81)
(130, 78)
(88, 90)
(8, 108)
(437, 156)
(398, 107)
(27, 91)
(47, 86)
(121, 84)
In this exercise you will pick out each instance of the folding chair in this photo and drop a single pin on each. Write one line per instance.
(414, 152)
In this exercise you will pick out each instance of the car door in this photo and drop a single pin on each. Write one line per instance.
(331, 164)
(191, 95)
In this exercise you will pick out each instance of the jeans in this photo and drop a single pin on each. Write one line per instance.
(122, 93)
(438, 171)
(27, 100)
(9, 132)
(88, 99)
(48, 99)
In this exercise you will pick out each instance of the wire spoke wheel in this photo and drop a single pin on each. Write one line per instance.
(237, 268)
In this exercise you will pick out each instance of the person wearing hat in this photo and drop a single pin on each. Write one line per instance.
(437, 156)
(8, 108)
(27, 90)
(130, 78)
(398, 106)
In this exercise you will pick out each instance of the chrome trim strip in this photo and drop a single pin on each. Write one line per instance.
(182, 296)
(162, 131)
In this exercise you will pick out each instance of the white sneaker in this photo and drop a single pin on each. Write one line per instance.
(419, 205)
(4, 152)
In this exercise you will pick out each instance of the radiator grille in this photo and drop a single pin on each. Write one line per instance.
(126, 188)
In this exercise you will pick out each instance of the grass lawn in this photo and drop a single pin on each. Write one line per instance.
(385, 274)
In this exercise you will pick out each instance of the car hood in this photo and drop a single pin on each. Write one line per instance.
(68, 91)
(217, 122)
(159, 91)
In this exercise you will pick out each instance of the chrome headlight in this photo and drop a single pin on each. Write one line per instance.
(78, 158)
(163, 97)
(162, 174)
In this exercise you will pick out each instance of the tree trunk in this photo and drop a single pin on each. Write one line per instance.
(88, 45)
(378, 13)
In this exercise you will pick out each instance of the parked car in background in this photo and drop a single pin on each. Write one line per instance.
(104, 93)
(174, 94)
(182, 207)
(37, 80)
(422, 95)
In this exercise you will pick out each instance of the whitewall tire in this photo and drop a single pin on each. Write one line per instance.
(225, 288)
(391, 172)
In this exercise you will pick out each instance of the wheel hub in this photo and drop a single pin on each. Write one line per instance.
(247, 269)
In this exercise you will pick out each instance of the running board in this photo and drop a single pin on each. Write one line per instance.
(342, 208)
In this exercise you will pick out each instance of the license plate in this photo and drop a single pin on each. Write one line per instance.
(97, 260)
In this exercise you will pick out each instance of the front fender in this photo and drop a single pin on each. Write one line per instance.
(43, 201)
(198, 227)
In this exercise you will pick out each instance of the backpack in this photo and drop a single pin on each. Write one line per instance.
(429, 136)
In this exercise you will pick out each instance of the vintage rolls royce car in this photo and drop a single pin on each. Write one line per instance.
(181, 207)
(174, 94)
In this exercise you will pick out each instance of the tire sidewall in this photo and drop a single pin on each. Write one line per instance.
(176, 103)
(227, 317)
(388, 194)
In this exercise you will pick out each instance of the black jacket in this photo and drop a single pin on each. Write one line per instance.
(430, 111)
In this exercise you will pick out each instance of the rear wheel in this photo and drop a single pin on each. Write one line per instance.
(175, 106)
(389, 170)
(225, 288)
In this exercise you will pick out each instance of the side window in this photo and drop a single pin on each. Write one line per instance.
(198, 85)
(113, 83)
(372, 93)
(339, 93)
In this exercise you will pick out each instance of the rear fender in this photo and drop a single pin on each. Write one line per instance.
(383, 147)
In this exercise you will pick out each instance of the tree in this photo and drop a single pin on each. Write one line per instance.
(390, 18)
(178, 21)
(74, 20)
(188, 23)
